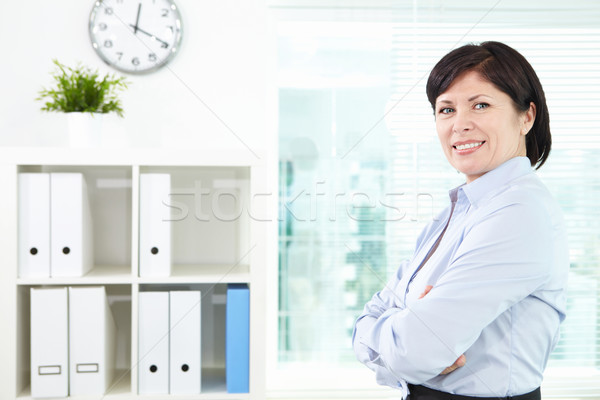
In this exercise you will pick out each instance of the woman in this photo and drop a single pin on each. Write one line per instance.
(475, 312)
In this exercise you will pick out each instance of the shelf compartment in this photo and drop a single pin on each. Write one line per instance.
(119, 298)
(213, 329)
(210, 220)
(110, 197)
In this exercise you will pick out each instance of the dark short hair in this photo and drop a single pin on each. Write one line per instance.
(510, 72)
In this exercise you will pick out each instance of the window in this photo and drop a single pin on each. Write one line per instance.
(361, 170)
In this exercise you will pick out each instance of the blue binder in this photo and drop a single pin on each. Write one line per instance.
(237, 339)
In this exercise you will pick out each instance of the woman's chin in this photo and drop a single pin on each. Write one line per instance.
(470, 171)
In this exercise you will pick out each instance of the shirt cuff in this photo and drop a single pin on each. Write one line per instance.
(362, 328)
(386, 378)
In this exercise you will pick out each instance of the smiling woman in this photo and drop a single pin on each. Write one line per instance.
(479, 126)
(497, 72)
(475, 312)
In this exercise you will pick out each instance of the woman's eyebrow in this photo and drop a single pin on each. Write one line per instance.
(474, 97)
(477, 96)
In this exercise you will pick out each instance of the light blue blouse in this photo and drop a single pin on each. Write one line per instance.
(499, 281)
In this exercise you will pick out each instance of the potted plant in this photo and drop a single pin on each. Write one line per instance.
(83, 94)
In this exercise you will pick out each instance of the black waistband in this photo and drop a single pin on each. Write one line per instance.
(418, 392)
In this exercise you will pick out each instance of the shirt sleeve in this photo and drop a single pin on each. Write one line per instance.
(380, 302)
(502, 259)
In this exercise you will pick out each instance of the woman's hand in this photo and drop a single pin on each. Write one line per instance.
(460, 361)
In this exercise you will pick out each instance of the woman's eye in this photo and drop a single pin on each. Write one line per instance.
(445, 110)
(481, 106)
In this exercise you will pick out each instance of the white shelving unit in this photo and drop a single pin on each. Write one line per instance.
(222, 242)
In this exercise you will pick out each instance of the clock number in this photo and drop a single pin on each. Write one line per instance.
(105, 33)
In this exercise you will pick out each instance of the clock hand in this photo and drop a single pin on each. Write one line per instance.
(137, 19)
(165, 44)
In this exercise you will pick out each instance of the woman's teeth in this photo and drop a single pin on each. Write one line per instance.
(467, 146)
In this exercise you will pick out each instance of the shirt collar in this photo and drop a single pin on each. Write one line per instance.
(493, 181)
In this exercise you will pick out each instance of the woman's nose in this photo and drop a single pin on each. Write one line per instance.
(462, 122)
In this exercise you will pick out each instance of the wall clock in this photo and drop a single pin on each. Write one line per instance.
(135, 36)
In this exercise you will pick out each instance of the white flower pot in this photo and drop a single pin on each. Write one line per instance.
(84, 129)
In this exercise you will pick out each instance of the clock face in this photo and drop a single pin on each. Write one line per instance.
(135, 36)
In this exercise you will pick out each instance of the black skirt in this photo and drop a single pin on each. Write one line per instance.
(418, 392)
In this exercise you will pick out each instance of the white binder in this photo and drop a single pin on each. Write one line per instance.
(49, 342)
(71, 252)
(34, 225)
(155, 225)
(153, 347)
(185, 342)
(92, 341)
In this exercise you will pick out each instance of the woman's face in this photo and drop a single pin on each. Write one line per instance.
(479, 126)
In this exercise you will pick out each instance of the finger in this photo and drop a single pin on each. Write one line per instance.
(460, 361)
(427, 290)
(447, 371)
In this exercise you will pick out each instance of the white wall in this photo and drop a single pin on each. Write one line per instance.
(222, 63)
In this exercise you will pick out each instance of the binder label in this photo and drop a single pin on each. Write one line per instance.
(49, 370)
(87, 368)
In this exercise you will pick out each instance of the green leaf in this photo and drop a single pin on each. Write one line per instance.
(80, 89)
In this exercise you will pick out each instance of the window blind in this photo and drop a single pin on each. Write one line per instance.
(566, 56)
(339, 124)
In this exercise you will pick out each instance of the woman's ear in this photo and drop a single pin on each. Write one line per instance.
(529, 119)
